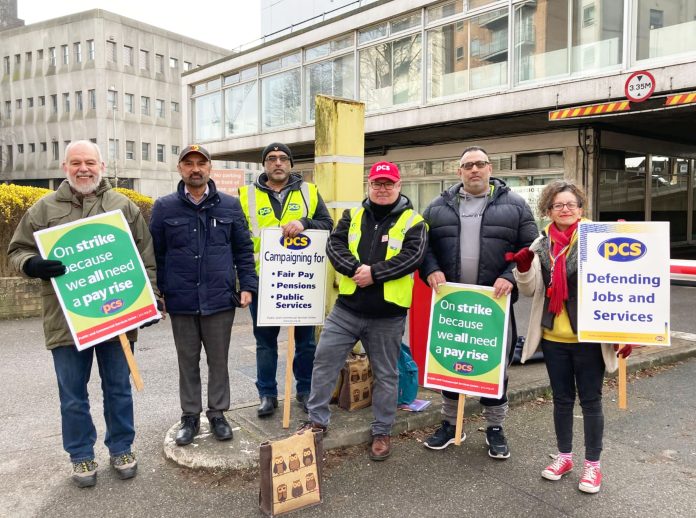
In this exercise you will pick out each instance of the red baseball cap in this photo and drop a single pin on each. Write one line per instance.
(384, 170)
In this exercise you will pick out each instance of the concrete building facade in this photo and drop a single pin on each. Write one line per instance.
(100, 76)
(541, 84)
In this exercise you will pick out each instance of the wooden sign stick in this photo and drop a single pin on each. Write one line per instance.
(460, 420)
(623, 404)
(132, 366)
(288, 377)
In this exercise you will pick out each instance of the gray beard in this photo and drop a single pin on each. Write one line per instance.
(86, 189)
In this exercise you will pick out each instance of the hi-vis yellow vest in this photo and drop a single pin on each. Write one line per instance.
(259, 212)
(397, 291)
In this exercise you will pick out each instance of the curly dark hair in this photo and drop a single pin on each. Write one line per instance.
(555, 187)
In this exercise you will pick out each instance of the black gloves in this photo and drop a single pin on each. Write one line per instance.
(43, 268)
(160, 308)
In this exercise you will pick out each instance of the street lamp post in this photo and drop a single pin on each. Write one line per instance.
(114, 156)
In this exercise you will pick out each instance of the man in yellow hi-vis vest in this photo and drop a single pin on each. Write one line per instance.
(375, 248)
(280, 198)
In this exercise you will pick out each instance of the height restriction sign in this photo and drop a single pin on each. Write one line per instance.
(639, 86)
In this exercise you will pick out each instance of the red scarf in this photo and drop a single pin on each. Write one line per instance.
(559, 244)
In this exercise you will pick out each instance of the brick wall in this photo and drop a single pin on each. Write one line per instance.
(19, 297)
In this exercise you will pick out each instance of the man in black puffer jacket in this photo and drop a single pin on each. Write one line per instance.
(472, 226)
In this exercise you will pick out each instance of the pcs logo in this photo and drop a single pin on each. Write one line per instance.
(112, 306)
(463, 367)
(299, 242)
(293, 206)
(264, 211)
(622, 249)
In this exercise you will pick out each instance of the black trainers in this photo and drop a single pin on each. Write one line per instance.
(302, 401)
(497, 443)
(84, 473)
(443, 437)
(125, 465)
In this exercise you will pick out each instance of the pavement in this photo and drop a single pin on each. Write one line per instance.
(527, 382)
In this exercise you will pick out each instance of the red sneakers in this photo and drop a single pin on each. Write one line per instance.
(591, 478)
(558, 468)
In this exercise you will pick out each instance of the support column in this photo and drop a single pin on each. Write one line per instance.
(339, 150)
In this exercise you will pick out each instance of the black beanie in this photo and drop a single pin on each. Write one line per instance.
(277, 146)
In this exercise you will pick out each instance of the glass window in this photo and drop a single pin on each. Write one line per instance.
(77, 52)
(43, 147)
(145, 151)
(408, 21)
(18, 104)
(55, 150)
(113, 149)
(372, 33)
(215, 84)
(159, 63)
(160, 152)
(248, 73)
(111, 51)
(175, 106)
(175, 150)
(6, 64)
(144, 60)
(270, 66)
(111, 101)
(128, 55)
(42, 100)
(328, 47)
(333, 77)
(546, 48)
(39, 54)
(200, 88)
(65, 51)
(173, 63)
(54, 103)
(159, 108)
(78, 101)
(27, 57)
(32, 147)
(130, 150)
(144, 105)
(444, 10)
(390, 73)
(208, 113)
(51, 56)
(129, 103)
(665, 28)
(20, 149)
(241, 109)
(188, 65)
(30, 102)
(66, 102)
(231, 79)
(281, 99)
(90, 50)
(92, 99)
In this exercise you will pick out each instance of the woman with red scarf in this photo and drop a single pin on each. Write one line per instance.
(547, 271)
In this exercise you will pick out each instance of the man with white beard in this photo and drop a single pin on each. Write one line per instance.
(84, 193)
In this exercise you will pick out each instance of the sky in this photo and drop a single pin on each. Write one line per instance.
(225, 23)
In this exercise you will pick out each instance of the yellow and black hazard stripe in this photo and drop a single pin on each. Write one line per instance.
(589, 110)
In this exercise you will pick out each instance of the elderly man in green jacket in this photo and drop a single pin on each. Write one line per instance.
(84, 193)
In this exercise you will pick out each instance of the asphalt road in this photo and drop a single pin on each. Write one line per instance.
(650, 455)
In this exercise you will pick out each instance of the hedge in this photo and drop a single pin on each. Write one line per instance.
(16, 199)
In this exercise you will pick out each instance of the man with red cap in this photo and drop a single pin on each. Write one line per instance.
(375, 247)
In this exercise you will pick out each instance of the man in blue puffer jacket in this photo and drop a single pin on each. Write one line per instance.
(202, 245)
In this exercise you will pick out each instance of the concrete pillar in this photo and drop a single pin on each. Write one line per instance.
(339, 149)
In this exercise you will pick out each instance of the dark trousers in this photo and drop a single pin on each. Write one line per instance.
(569, 366)
(212, 332)
(267, 356)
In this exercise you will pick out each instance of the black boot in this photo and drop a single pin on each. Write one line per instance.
(267, 406)
(190, 424)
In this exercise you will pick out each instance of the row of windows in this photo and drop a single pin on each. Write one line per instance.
(77, 99)
(66, 53)
(145, 104)
(144, 61)
(52, 55)
(145, 150)
(443, 52)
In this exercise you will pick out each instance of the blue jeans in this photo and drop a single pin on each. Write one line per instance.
(73, 370)
(267, 356)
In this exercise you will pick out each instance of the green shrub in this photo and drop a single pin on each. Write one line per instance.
(16, 199)
(14, 202)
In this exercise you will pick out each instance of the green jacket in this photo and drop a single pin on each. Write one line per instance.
(63, 206)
